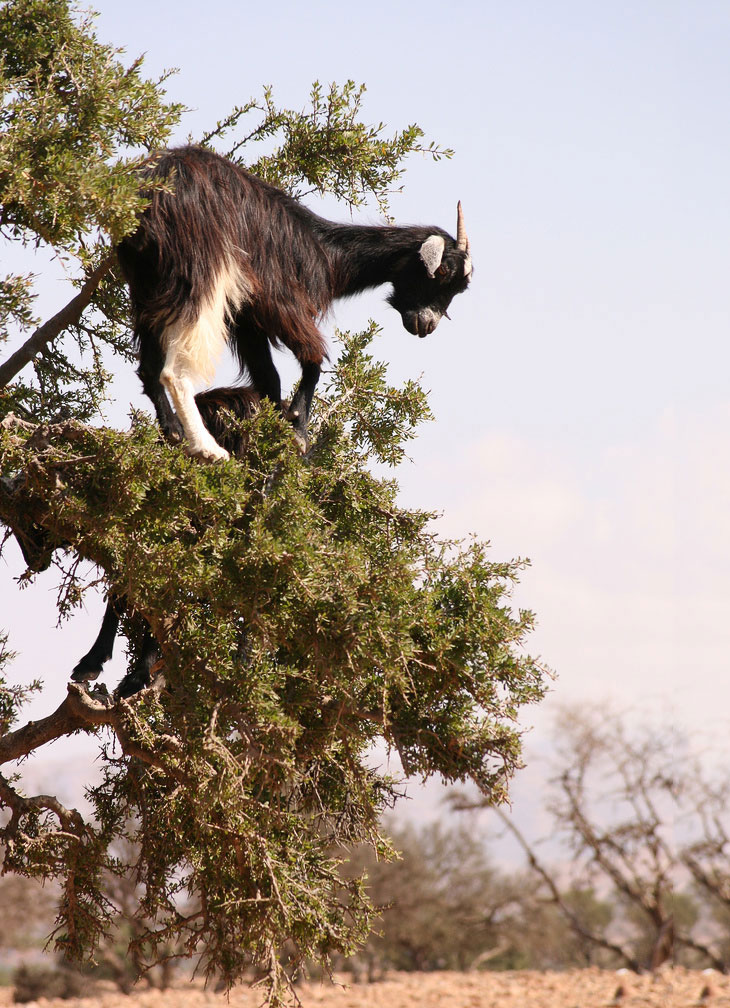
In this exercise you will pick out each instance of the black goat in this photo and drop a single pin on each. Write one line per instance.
(220, 256)
(213, 406)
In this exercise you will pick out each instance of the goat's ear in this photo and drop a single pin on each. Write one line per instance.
(432, 252)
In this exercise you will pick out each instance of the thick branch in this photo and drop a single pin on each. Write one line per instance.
(78, 711)
(67, 316)
(70, 820)
(81, 711)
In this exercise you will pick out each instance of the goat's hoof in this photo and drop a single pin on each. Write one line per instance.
(132, 683)
(209, 452)
(174, 435)
(293, 415)
(85, 673)
(301, 441)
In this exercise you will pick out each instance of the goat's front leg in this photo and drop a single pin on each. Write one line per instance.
(301, 404)
(151, 361)
(92, 664)
(178, 383)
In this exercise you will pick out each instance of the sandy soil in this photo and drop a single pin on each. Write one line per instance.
(590, 988)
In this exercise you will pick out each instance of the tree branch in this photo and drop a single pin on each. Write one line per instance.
(78, 711)
(66, 317)
(718, 962)
(81, 711)
(70, 820)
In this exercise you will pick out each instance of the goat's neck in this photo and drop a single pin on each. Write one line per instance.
(367, 256)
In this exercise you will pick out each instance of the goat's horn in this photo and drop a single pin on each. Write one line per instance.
(462, 242)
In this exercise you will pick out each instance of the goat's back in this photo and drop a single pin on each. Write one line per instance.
(214, 218)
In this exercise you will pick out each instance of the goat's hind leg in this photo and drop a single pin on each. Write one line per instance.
(301, 404)
(92, 664)
(139, 675)
(254, 351)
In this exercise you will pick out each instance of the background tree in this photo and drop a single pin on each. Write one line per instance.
(308, 614)
(613, 803)
(27, 912)
(635, 861)
(443, 904)
(704, 854)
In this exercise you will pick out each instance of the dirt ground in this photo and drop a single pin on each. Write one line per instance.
(589, 988)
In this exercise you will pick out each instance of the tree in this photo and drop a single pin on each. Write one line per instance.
(635, 818)
(705, 856)
(301, 612)
(537, 935)
(443, 904)
(612, 799)
(27, 912)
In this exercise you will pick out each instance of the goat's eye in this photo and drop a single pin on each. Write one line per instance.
(442, 270)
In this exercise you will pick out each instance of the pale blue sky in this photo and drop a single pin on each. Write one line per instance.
(581, 392)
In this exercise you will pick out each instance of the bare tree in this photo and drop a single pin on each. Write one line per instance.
(612, 800)
(705, 856)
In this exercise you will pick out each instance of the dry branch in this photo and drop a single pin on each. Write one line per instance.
(67, 316)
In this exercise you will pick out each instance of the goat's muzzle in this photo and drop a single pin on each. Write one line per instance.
(421, 323)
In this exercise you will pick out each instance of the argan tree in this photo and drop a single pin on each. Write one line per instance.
(302, 614)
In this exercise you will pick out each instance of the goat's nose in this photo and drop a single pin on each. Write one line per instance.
(427, 322)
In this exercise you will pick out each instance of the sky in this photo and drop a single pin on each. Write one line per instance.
(581, 389)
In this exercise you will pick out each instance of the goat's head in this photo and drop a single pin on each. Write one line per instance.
(424, 287)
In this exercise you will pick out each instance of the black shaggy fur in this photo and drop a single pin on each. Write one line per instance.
(292, 264)
(241, 401)
(214, 405)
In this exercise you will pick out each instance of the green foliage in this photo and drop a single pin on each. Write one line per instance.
(69, 109)
(74, 124)
(327, 149)
(12, 697)
(303, 615)
(16, 302)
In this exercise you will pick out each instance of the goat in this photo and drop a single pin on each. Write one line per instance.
(213, 406)
(220, 256)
